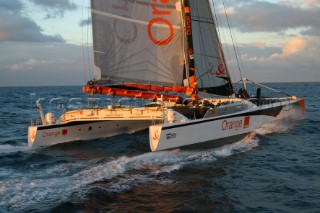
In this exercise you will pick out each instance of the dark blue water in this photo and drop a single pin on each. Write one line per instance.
(276, 170)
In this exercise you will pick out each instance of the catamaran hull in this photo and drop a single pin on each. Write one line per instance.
(207, 134)
(48, 135)
(214, 132)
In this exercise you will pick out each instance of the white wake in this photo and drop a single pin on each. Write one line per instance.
(58, 183)
(6, 149)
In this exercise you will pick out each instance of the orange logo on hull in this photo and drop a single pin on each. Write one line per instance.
(246, 122)
(156, 136)
(33, 135)
(64, 132)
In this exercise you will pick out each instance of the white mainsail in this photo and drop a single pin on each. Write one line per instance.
(211, 70)
(138, 41)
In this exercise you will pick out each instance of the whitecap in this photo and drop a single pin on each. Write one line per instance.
(117, 175)
(5, 149)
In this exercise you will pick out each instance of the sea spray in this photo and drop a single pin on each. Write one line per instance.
(285, 121)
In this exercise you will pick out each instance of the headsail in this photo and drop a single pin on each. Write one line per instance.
(138, 41)
(210, 66)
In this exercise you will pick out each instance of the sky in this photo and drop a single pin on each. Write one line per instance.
(45, 42)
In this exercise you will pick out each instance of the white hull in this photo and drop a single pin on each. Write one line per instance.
(40, 136)
(214, 131)
(92, 124)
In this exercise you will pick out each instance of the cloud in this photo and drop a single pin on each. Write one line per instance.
(311, 32)
(57, 4)
(85, 22)
(14, 26)
(12, 5)
(312, 2)
(32, 63)
(55, 8)
(24, 65)
(263, 16)
(294, 46)
(36, 64)
(29, 64)
(296, 60)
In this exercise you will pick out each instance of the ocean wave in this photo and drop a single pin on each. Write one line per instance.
(126, 172)
(7, 149)
(117, 175)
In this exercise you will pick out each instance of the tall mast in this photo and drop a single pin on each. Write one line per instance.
(185, 82)
(191, 74)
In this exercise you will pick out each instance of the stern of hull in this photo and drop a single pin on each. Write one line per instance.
(154, 136)
(301, 103)
(32, 134)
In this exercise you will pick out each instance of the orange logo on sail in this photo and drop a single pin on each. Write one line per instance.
(156, 135)
(160, 10)
(221, 70)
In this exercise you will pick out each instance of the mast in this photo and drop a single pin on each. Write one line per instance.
(190, 64)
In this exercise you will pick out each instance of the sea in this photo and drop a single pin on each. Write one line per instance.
(276, 169)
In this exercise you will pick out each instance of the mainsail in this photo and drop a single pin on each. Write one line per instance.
(211, 71)
(138, 41)
(155, 44)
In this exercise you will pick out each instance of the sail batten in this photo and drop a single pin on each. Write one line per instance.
(130, 19)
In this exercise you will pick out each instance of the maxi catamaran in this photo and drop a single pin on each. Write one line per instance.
(168, 51)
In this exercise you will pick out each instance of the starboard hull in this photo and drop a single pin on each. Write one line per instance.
(213, 132)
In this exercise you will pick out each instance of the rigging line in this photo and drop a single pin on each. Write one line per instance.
(186, 73)
(232, 38)
(198, 20)
(207, 55)
(238, 52)
(274, 90)
(220, 48)
(201, 45)
(83, 51)
(221, 33)
(88, 49)
(199, 77)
